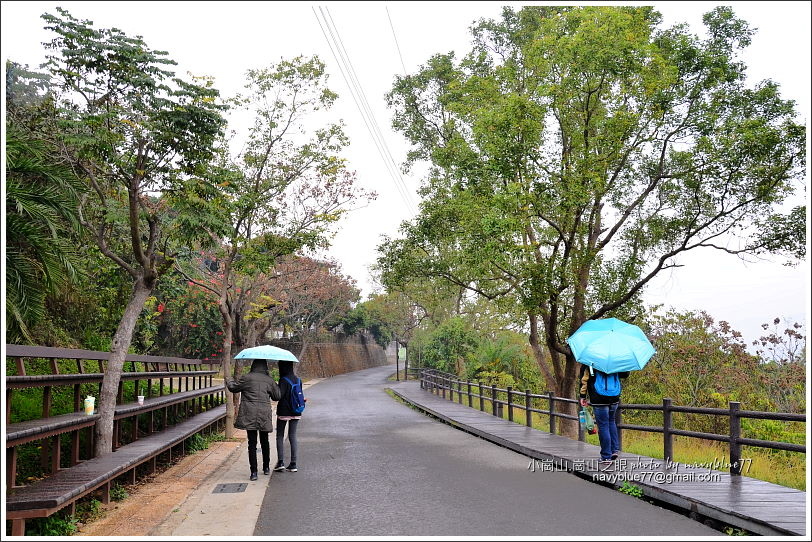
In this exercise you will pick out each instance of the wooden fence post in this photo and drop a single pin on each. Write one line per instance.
(551, 400)
(510, 402)
(528, 413)
(493, 400)
(735, 434)
(470, 397)
(668, 439)
(481, 398)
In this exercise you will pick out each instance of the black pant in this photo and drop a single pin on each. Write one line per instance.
(252, 449)
(280, 439)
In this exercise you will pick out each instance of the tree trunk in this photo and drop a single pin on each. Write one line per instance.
(561, 386)
(227, 367)
(305, 345)
(568, 428)
(118, 350)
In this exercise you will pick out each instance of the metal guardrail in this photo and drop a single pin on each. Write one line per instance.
(439, 382)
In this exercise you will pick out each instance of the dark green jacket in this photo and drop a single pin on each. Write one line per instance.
(255, 411)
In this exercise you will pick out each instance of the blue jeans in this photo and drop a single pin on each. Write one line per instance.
(607, 429)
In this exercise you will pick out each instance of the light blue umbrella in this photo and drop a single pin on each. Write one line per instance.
(611, 345)
(266, 351)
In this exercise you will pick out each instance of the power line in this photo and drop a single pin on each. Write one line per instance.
(394, 167)
(359, 97)
(396, 39)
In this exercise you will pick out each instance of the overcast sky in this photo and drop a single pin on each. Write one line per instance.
(224, 39)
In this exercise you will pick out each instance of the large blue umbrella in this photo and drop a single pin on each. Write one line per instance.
(611, 345)
(266, 351)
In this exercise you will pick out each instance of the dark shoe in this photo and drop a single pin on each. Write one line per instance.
(253, 476)
(614, 456)
(280, 466)
(292, 467)
(266, 470)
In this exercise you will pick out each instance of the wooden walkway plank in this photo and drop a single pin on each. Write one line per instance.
(741, 501)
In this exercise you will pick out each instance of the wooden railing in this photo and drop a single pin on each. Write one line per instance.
(439, 382)
(173, 388)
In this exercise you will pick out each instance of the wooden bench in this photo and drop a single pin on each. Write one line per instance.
(190, 394)
(39, 428)
(47, 496)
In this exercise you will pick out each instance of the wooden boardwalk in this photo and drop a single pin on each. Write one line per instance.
(740, 501)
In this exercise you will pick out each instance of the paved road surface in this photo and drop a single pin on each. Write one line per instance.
(369, 465)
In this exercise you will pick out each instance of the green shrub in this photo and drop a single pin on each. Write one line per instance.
(631, 489)
(196, 443)
(118, 492)
(450, 345)
(88, 511)
(51, 526)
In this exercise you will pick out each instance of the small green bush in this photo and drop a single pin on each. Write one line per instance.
(118, 493)
(631, 489)
(51, 526)
(195, 443)
(88, 511)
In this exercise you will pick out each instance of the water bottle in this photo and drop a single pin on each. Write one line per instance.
(582, 417)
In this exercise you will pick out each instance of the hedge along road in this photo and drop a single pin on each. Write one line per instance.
(369, 465)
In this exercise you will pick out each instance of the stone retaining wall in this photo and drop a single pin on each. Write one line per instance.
(346, 354)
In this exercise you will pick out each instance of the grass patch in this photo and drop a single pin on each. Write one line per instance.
(775, 466)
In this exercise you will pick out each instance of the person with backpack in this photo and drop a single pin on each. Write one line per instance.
(604, 396)
(288, 413)
(255, 414)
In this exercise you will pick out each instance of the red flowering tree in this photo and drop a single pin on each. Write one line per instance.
(309, 295)
(189, 322)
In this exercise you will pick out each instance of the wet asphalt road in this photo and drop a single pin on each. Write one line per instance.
(369, 465)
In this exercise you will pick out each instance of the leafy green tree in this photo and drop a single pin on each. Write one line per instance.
(138, 135)
(578, 152)
(42, 198)
(188, 322)
(449, 345)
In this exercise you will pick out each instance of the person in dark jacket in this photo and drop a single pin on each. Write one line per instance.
(285, 417)
(255, 413)
(605, 408)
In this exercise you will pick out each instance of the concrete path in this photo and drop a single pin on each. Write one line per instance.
(205, 513)
(369, 465)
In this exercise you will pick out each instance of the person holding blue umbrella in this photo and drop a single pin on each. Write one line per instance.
(608, 350)
(255, 413)
(604, 396)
